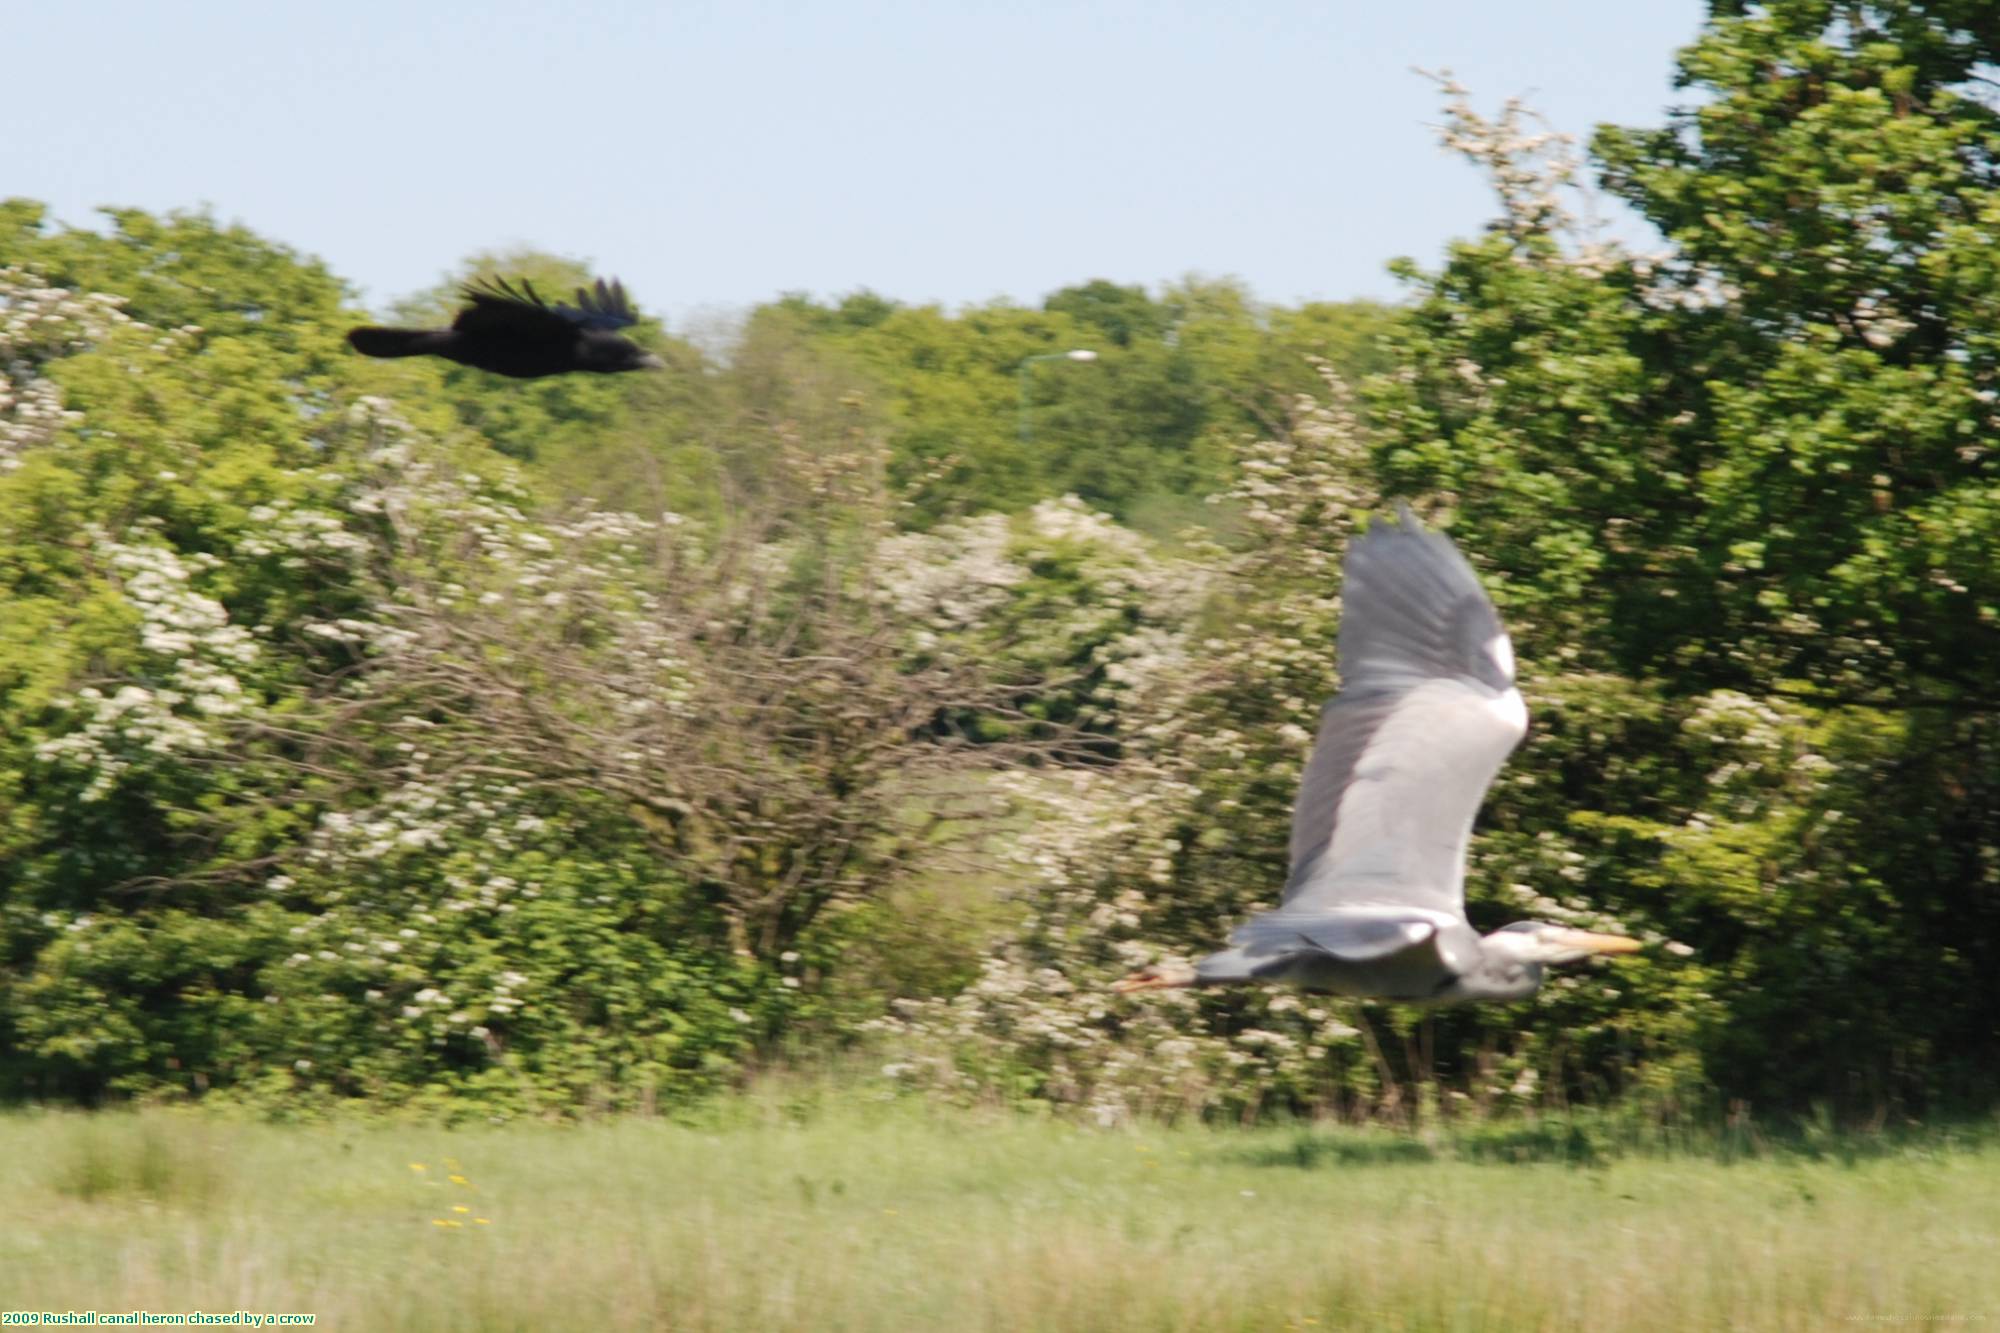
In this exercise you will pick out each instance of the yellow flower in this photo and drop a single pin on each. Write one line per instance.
(460, 1208)
(460, 1180)
(484, 1221)
(418, 1166)
(439, 1222)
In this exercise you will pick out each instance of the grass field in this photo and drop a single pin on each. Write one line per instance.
(893, 1216)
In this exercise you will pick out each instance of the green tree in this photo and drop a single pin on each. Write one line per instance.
(1755, 473)
(630, 440)
(1143, 432)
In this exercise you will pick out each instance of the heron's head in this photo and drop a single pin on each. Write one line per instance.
(1540, 942)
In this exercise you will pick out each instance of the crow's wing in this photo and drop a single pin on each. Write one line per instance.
(605, 307)
(500, 309)
(1426, 714)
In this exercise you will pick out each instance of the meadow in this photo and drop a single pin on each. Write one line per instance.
(849, 1214)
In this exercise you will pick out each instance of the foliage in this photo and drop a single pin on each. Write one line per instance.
(330, 770)
(870, 676)
(614, 439)
(1743, 541)
(1143, 432)
(1753, 471)
(1188, 834)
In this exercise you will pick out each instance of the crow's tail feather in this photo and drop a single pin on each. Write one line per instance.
(397, 342)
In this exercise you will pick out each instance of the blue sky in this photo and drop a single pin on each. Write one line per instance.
(714, 155)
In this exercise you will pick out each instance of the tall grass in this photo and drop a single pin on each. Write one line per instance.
(900, 1216)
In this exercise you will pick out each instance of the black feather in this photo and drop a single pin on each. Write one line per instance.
(511, 330)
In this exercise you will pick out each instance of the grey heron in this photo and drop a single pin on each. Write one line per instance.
(1374, 906)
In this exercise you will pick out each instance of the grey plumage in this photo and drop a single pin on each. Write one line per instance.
(1374, 904)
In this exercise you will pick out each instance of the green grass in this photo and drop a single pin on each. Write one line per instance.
(895, 1216)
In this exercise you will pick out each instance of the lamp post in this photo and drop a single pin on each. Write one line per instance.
(1074, 354)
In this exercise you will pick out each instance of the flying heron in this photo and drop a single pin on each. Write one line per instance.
(1374, 906)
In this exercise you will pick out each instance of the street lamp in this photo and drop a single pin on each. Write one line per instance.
(1074, 354)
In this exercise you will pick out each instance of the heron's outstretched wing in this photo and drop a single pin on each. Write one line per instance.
(1426, 714)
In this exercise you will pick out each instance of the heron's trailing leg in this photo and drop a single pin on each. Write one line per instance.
(1160, 976)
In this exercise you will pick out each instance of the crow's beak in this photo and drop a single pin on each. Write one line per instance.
(651, 362)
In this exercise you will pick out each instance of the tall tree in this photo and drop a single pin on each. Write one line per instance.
(627, 440)
(1756, 472)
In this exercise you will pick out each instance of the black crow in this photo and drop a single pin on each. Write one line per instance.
(515, 332)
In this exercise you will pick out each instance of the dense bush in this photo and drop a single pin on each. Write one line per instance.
(329, 768)
(788, 700)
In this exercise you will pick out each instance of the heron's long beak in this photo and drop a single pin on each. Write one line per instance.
(1589, 941)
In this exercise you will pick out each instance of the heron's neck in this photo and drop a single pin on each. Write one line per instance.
(1498, 977)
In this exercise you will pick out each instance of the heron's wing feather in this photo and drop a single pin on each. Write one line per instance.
(1423, 942)
(1347, 725)
(1352, 938)
(1427, 713)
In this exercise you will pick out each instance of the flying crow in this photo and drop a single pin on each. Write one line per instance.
(512, 331)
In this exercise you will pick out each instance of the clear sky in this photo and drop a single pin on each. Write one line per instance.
(716, 154)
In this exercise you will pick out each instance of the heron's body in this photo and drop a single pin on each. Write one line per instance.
(1374, 906)
(1421, 962)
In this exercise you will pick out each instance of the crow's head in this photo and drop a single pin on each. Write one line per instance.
(608, 353)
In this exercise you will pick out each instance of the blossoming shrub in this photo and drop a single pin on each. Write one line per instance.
(328, 769)
(1186, 834)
